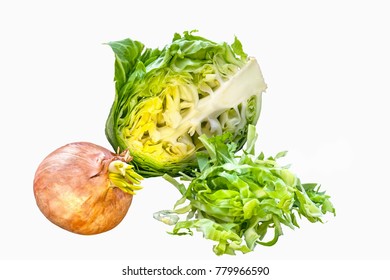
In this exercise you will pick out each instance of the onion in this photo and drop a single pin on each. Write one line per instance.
(84, 188)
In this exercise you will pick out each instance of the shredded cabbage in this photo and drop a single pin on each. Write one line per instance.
(235, 200)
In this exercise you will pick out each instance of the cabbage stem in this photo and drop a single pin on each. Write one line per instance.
(246, 83)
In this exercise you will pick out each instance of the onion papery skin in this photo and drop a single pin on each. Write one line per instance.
(72, 189)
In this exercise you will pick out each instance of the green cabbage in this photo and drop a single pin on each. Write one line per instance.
(165, 99)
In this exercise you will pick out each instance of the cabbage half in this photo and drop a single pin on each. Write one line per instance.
(165, 99)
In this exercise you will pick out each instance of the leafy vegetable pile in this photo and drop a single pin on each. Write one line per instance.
(165, 99)
(234, 200)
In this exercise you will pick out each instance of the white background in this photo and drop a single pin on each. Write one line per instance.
(327, 66)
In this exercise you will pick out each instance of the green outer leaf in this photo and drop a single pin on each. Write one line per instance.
(127, 52)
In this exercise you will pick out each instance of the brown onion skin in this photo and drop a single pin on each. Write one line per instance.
(72, 189)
